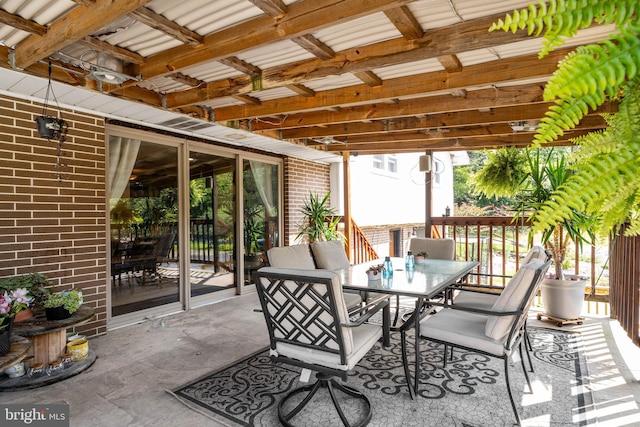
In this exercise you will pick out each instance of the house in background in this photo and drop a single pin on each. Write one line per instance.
(388, 195)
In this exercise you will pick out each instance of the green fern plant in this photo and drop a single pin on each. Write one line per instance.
(606, 162)
(591, 74)
(502, 174)
(606, 169)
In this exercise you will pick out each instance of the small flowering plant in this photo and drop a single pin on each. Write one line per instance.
(70, 300)
(11, 303)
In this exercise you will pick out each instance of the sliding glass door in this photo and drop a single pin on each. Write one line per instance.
(212, 223)
(189, 222)
(143, 210)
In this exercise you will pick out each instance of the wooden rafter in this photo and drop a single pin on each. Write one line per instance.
(20, 23)
(405, 22)
(160, 23)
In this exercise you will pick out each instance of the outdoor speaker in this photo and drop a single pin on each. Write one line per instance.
(425, 163)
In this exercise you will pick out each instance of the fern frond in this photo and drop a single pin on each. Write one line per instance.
(596, 68)
(606, 180)
(563, 18)
(590, 187)
(564, 115)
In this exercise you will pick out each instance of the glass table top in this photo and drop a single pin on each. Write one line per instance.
(425, 280)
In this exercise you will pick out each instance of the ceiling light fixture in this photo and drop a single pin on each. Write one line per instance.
(101, 67)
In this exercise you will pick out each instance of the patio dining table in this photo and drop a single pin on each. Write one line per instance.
(424, 282)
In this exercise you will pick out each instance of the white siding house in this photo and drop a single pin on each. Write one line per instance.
(389, 190)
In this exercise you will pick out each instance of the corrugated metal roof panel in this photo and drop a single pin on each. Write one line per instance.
(333, 82)
(470, 9)
(263, 57)
(43, 12)
(211, 71)
(433, 13)
(206, 16)
(221, 102)
(359, 32)
(275, 93)
(409, 69)
(141, 39)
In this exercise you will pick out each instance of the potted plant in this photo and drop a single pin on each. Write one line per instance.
(11, 303)
(61, 305)
(253, 231)
(532, 177)
(35, 285)
(420, 257)
(374, 272)
(319, 220)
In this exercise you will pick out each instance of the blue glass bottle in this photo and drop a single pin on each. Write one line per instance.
(387, 271)
(410, 261)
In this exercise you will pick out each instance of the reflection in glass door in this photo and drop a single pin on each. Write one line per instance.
(261, 216)
(212, 223)
(143, 217)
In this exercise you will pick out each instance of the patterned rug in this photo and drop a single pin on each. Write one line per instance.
(470, 392)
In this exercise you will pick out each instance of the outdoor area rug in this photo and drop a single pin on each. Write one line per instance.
(470, 392)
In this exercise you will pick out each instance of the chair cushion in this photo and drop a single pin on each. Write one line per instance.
(292, 257)
(461, 328)
(510, 300)
(435, 248)
(482, 301)
(330, 255)
(536, 252)
(364, 337)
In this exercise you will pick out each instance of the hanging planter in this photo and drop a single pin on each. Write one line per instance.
(51, 127)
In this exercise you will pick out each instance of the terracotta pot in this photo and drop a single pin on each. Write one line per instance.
(563, 299)
(23, 315)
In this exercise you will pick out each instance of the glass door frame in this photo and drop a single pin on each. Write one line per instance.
(184, 146)
(242, 287)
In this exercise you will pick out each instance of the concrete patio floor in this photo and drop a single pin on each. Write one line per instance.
(137, 364)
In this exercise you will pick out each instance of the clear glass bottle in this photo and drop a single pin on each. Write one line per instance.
(387, 271)
(410, 261)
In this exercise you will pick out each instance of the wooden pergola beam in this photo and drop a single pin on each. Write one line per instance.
(498, 72)
(154, 20)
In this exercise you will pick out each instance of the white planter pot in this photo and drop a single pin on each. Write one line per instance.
(563, 299)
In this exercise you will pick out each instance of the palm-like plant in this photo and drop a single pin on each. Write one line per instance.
(319, 221)
(607, 181)
(536, 176)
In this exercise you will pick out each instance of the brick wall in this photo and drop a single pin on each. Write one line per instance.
(300, 178)
(50, 225)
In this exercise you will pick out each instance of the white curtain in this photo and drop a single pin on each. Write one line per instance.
(263, 177)
(123, 153)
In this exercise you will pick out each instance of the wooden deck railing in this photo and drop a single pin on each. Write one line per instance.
(625, 289)
(498, 244)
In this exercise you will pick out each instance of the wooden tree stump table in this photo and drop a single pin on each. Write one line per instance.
(47, 341)
(48, 338)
